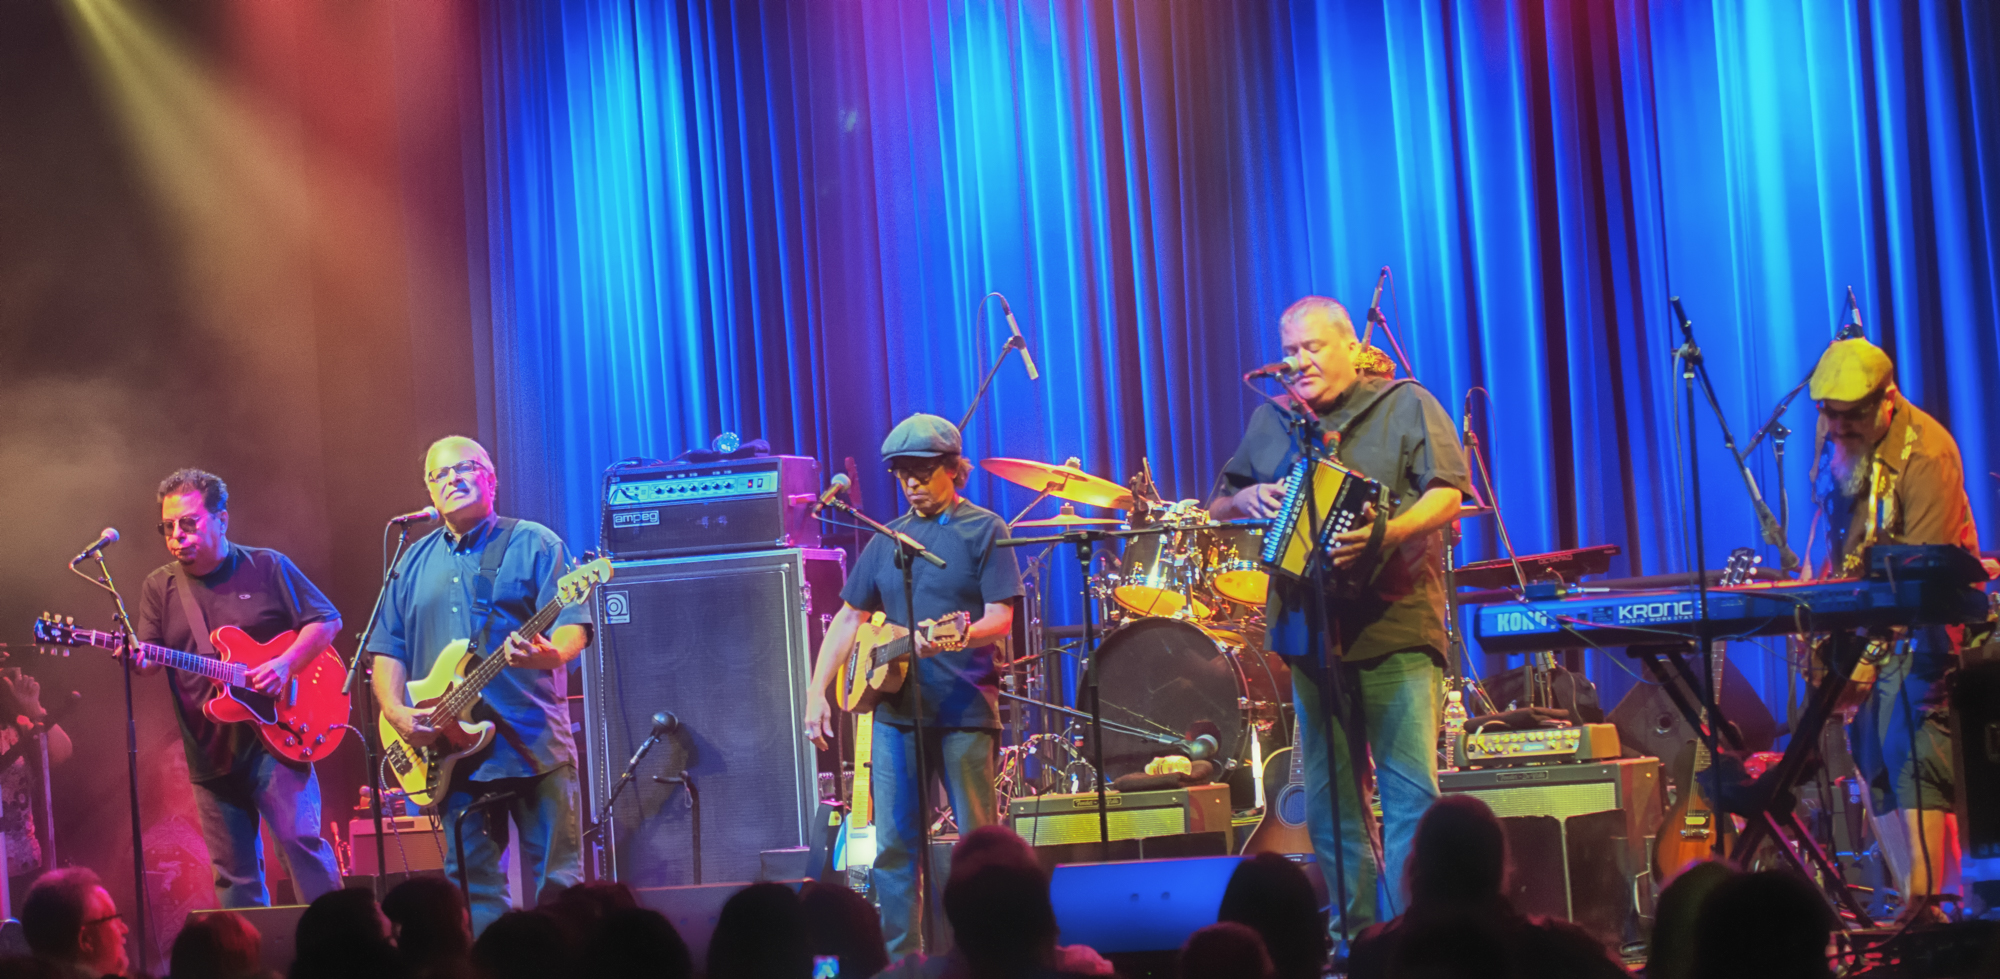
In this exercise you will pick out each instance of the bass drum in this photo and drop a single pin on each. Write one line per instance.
(1174, 678)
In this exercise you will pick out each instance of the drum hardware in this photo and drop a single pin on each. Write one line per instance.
(1067, 518)
(1064, 482)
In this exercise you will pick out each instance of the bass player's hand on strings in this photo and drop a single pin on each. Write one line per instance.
(412, 724)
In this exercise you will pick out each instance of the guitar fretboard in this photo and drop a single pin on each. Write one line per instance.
(221, 671)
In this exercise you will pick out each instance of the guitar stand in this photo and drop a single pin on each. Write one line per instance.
(1775, 815)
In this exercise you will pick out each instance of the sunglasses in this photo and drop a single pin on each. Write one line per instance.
(1861, 413)
(918, 469)
(186, 525)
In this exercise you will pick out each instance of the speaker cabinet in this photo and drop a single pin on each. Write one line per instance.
(1578, 838)
(1975, 756)
(725, 643)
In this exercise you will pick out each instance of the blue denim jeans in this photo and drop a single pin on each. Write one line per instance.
(230, 808)
(1399, 719)
(543, 808)
(1900, 737)
(963, 758)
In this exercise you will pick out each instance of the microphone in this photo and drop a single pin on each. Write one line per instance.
(1026, 357)
(1280, 369)
(1851, 328)
(424, 515)
(1375, 306)
(1200, 747)
(104, 540)
(838, 486)
(665, 723)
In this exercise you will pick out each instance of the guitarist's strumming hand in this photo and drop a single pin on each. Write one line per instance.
(269, 676)
(412, 724)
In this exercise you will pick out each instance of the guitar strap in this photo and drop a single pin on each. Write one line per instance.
(191, 611)
(489, 573)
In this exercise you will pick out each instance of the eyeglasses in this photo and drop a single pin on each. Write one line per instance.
(186, 525)
(920, 470)
(114, 916)
(1862, 412)
(446, 473)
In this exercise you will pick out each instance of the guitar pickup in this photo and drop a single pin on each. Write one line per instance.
(292, 692)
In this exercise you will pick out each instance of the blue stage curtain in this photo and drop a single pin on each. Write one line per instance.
(778, 218)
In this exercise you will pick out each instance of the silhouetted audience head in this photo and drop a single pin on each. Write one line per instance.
(343, 934)
(1225, 950)
(524, 945)
(216, 945)
(68, 917)
(1768, 925)
(1459, 855)
(1275, 899)
(431, 926)
(637, 943)
(841, 923)
(1671, 952)
(582, 908)
(1001, 918)
(761, 934)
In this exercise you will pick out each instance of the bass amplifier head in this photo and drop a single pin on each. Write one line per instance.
(729, 506)
(725, 643)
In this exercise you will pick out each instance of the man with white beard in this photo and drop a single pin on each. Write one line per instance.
(1894, 477)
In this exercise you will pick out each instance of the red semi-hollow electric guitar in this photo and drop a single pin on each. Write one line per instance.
(304, 721)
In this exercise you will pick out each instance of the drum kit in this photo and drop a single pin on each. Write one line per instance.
(1180, 618)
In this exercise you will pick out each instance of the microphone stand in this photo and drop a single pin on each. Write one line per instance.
(1689, 355)
(907, 551)
(131, 643)
(600, 820)
(371, 749)
(488, 800)
(1013, 343)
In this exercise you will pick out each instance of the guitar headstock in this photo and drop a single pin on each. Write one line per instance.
(949, 633)
(576, 586)
(1742, 564)
(52, 630)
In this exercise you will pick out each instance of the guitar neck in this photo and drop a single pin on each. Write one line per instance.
(221, 671)
(463, 696)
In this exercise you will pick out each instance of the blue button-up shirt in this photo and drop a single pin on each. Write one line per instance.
(432, 604)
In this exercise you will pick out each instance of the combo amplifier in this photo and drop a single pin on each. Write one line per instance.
(1578, 838)
(759, 503)
(1047, 820)
(1538, 746)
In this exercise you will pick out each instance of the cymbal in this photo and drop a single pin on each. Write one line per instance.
(1067, 518)
(1061, 482)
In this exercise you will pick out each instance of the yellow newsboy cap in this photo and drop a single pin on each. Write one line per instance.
(1849, 371)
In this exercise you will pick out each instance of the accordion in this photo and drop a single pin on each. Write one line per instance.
(1338, 493)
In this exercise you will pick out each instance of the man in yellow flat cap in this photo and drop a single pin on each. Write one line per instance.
(1893, 476)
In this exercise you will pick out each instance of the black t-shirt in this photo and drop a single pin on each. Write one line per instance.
(254, 589)
(1398, 435)
(960, 688)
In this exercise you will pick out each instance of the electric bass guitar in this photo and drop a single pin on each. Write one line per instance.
(860, 829)
(1282, 828)
(881, 658)
(1694, 829)
(447, 694)
(303, 722)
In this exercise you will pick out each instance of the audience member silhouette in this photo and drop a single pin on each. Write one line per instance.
(431, 926)
(637, 943)
(524, 945)
(1460, 923)
(1275, 899)
(582, 908)
(1768, 925)
(841, 923)
(761, 934)
(70, 920)
(1225, 950)
(343, 935)
(1671, 951)
(216, 945)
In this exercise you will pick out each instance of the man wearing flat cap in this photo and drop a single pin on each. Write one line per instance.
(1891, 474)
(959, 688)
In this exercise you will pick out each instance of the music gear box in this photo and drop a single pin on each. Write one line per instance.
(1579, 837)
(725, 643)
(1061, 818)
(759, 503)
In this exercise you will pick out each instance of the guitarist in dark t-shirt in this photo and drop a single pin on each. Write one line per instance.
(237, 781)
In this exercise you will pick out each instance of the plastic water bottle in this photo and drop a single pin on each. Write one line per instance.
(1454, 727)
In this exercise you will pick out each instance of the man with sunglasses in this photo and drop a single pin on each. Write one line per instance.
(449, 590)
(1891, 474)
(237, 782)
(959, 688)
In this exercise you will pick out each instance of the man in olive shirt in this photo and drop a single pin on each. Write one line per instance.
(1384, 630)
(1894, 477)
